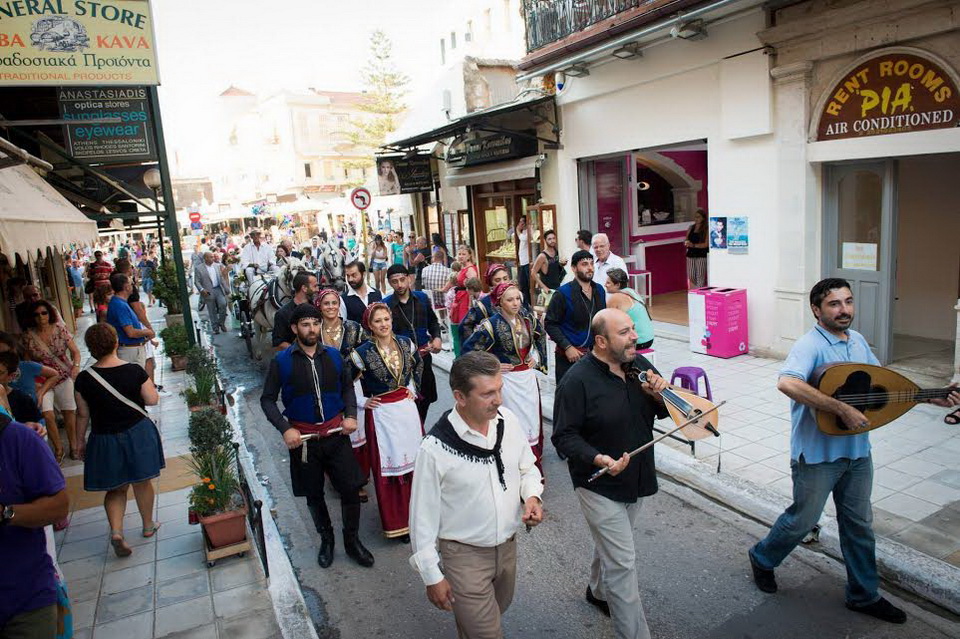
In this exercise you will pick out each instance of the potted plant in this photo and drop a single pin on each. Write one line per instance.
(166, 288)
(176, 343)
(201, 393)
(216, 499)
(207, 430)
(201, 360)
(77, 306)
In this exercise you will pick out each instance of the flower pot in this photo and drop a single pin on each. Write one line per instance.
(174, 319)
(178, 362)
(194, 409)
(226, 528)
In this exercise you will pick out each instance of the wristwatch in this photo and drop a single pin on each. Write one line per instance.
(6, 515)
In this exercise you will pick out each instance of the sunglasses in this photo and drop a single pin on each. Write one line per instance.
(40, 313)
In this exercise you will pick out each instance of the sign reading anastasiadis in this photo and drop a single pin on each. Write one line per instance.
(77, 42)
(891, 92)
(90, 139)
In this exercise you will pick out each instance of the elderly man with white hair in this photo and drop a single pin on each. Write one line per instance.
(257, 257)
(604, 259)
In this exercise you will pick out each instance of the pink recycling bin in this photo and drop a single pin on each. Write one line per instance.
(718, 321)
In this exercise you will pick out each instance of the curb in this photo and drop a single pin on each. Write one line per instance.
(907, 568)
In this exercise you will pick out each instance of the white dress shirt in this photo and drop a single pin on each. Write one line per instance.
(461, 500)
(214, 271)
(600, 268)
(353, 291)
(523, 249)
(264, 256)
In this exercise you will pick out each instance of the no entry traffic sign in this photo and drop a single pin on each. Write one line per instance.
(194, 216)
(360, 197)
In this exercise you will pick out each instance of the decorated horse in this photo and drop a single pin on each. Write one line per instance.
(266, 294)
(332, 264)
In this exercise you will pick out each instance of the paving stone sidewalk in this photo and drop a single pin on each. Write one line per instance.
(916, 491)
(165, 588)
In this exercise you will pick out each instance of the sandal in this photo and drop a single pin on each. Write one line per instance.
(119, 545)
(152, 530)
(59, 455)
(952, 418)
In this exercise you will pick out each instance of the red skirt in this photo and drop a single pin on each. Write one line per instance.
(362, 455)
(393, 493)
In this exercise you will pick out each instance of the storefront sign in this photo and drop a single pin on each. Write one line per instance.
(128, 139)
(859, 256)
(738, 237)
(76, 42)
(892, 92)
(490, 148)
(399, 175)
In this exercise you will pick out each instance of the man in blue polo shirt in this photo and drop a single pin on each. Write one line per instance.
(821, 464)
(130, 332)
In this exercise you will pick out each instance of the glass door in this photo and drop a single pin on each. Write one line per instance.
(860, 244)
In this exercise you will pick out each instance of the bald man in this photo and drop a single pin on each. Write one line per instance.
(600, 414)
(209, 279)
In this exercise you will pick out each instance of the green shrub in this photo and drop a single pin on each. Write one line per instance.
(200, 359)
(175, 340)
(218, 490)
(208, 429)
(166, 287)
(202, 389)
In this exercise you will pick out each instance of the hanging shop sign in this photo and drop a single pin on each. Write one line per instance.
(489, 148)
(892, 91)
(77, 42)
(398, 175)
(123, 141)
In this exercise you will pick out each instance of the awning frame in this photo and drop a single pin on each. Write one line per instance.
(480, 121)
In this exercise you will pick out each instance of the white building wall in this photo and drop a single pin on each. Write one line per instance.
(674, 94)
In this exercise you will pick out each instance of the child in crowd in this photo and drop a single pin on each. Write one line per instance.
(101, 297)
(451, 293)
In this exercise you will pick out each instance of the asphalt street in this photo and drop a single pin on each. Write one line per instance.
(694, 574)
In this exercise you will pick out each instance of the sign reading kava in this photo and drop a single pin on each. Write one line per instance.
(891, 92)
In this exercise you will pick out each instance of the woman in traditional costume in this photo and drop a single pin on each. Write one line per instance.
(520, 343)
(390, 368)
(345, 335)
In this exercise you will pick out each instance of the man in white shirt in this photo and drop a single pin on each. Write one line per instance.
(208, 277)
(523, 258)
(257, 257)
(474, 483)
(604, 259)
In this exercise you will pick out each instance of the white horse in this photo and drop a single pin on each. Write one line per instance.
(332, 265)
(267, 294)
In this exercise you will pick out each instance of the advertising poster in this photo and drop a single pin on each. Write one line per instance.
(718, 232)
(77, 42)
(398, 175)
(738, 237)
(123, 141)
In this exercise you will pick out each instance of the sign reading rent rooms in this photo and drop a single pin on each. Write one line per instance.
(891, 92)
(76, 42)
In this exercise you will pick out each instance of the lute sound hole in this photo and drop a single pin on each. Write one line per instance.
(859, 391)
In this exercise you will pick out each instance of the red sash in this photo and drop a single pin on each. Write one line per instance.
(520, 367)
(393, 396)
(323, 429)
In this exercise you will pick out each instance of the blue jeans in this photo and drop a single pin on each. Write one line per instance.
(851, 481)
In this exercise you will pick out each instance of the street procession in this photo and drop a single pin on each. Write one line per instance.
(576, 319)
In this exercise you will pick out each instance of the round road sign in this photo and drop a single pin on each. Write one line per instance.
(360, 198)
(194, 216)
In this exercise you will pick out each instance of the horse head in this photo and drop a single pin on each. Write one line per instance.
(332, 265)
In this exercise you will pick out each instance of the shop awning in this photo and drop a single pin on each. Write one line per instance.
(496, 172)
(478, 120)
(34, 216)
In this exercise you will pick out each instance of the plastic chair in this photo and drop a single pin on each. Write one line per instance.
(650, 354)
(689, 377)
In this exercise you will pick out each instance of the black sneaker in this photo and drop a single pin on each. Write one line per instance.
(765, 579)
(600, 604)
(882, 610)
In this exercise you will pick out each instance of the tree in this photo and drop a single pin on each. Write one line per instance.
(386, 88)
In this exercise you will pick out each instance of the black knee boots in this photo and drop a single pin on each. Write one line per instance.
(351, 540)
(321, 519)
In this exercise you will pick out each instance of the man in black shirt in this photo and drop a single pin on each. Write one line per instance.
(305, 287)
(600, 414)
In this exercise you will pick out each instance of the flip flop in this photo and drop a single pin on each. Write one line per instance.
(119, 545)
(151, 531)
(952, 418)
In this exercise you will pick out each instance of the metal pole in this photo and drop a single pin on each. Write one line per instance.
(170, 217)
(156, 206)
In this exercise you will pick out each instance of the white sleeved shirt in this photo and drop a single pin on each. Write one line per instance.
(600, 268)
(264, 256)
(461, 500)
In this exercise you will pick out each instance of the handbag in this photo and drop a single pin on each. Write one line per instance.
(113, 391)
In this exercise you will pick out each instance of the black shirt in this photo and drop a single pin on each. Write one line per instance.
(302, 380)
(696, 238)
(108, 415)
(415, 313)
(23, 407)
(281, 324)
(595, 412)
(553, 278)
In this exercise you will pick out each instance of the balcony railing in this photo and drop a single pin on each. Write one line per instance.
(548, 21)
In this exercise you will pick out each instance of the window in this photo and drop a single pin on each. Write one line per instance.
(443, 51)
(453, 40)
(307, 171)
(468, 34)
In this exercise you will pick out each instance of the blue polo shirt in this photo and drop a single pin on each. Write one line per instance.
(119, 314)
(814, 349)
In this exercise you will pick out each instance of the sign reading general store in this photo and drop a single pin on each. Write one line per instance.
(76, 42)
(891, 92)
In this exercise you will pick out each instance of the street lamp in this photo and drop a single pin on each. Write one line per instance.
(153, 180)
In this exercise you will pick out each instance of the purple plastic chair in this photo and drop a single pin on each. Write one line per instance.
(689, 377)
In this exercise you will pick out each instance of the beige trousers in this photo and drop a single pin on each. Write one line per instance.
(483, 581)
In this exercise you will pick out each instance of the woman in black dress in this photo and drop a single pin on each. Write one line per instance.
(697, 245)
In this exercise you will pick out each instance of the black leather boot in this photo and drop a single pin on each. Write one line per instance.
(327, 541)
(351, 540)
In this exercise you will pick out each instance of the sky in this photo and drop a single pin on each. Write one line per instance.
(204, 46)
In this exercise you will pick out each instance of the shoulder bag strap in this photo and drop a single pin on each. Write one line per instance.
(113, 391)
(35, 336)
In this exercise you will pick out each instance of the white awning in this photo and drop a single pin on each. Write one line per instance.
(34, 216)
(488, 173)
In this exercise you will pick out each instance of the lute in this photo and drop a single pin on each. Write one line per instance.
(879, 393)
